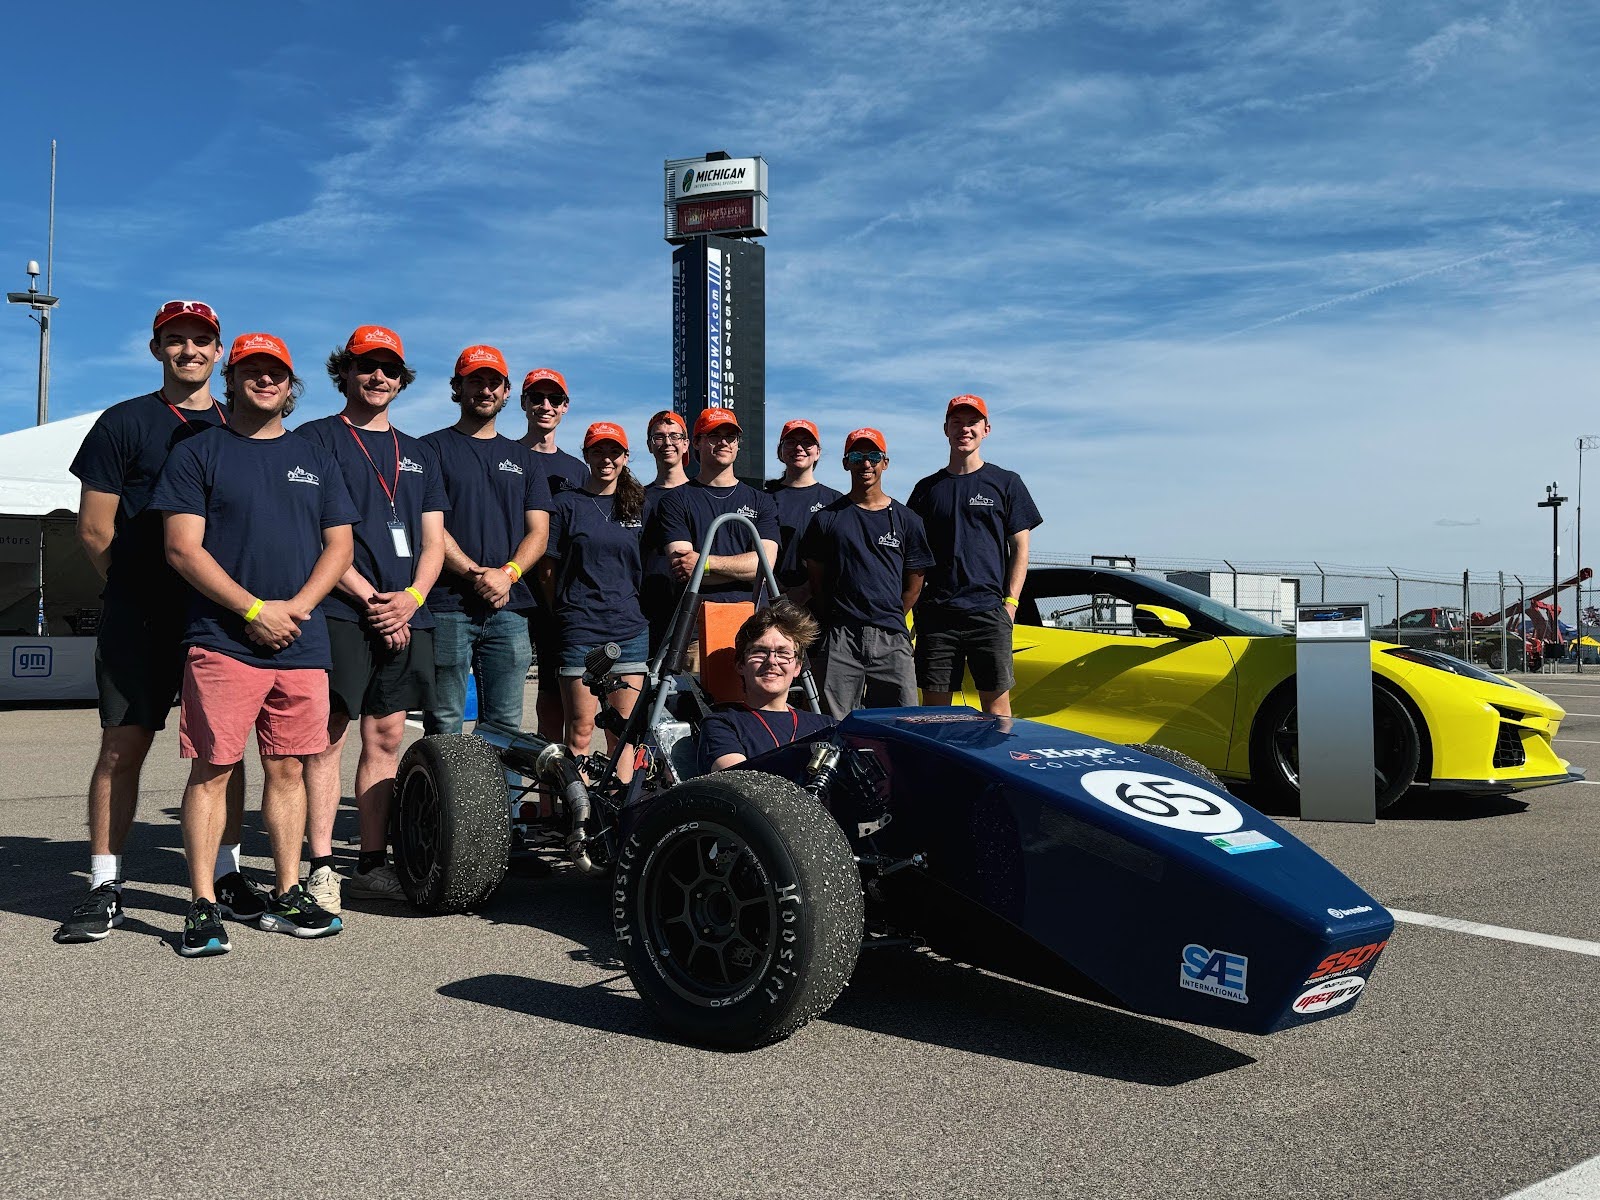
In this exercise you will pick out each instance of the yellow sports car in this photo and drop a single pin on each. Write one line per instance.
(1132, 658)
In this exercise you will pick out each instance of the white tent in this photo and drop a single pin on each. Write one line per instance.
(40, 558)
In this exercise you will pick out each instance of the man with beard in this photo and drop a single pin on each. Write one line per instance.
(496, 527)
(380, 631)
(139, 648)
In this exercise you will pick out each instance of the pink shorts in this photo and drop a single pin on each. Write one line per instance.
(223, 697)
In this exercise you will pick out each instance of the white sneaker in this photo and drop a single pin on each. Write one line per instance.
(380, 883)
(323, 886)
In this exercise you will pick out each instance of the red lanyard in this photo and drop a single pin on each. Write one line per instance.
(388, 491)
(183, 420)
(794, 731)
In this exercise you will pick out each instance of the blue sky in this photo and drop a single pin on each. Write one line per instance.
(1268, 281)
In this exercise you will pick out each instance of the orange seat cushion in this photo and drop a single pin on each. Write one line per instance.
(719, 668)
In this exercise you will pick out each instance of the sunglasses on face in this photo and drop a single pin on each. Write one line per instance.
(367, 365)
(536, 399)
(178, 308)
(856, 457)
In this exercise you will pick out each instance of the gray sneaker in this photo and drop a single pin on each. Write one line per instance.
(380, 883)
(323, 887)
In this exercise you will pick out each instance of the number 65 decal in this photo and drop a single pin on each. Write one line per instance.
(1174, 803)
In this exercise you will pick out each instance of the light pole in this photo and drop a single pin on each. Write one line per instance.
(40, 303)
(1586, 441)
(1554, 502)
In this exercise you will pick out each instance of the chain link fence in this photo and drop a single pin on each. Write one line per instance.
(1473, 614)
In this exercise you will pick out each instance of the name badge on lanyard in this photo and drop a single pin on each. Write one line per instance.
(402, 543)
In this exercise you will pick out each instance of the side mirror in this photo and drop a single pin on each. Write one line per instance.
(1156, 620)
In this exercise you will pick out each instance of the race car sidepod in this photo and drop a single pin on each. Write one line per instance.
(1149, 880)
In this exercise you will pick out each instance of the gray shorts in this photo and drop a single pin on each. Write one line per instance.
(951, 642)
(864, 666)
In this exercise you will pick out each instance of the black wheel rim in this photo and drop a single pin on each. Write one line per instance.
(1388, 747)
(419, 834)
(709, 913)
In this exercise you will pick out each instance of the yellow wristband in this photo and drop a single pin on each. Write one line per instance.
(1012, 600)
(254, 611)
(416, 595)
(512, 570)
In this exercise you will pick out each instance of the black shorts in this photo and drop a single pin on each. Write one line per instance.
(138, 664)
(370, 680)
(544, 631)
(952, 641)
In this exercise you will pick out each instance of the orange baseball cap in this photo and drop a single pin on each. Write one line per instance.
(967, 401)
(247, 344)
(666, 414)
(865, 434)
(476, 358)
(714, 418)
(173, 309)
(605, 431)
(802, 425)
(368, 338)
(541, 374)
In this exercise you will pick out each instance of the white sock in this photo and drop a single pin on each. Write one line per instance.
(104, 868)
(227, 860)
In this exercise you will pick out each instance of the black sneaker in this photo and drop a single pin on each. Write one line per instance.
(239, 899)
(295, 912)
(96, 915)
(203, 933)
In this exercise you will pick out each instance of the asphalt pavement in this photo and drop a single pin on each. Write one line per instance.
(506, 1054)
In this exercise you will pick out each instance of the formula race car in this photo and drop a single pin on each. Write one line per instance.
(741, 900)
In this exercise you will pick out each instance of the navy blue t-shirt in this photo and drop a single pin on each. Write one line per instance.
(411, 470)
(969, 519)
(658, 591)
(266, 502)
(563, 470)
(122, 455)
(686, 513)
(864, 557)
(597, 573)
(741, 731)
(796, 506)
(490, 485)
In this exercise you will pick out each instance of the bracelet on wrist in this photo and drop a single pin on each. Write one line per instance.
(1012, 600)
(513, 570)
(254, 611)
(417, 596)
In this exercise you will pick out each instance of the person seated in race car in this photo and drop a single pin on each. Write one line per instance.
(770, 649)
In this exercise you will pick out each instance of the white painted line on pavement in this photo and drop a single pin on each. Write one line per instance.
(1570, 713)
(1580, 741)
(1581, 1182)
(1548, 940)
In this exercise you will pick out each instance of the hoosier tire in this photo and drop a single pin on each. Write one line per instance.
(1179, 759)
(737, 908)
(452, 828)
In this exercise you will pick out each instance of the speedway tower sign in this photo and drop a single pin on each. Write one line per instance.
(714, 205)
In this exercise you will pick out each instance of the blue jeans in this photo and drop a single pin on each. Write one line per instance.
(498, 651)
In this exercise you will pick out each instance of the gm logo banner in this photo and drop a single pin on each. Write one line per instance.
(31, 662)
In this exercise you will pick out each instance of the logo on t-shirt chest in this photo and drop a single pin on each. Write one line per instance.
(979, 500)
(301, 475)
(407, 464)
(744, 510)
(890, 539)
(507, 465)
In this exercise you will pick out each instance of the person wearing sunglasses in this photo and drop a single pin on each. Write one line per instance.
(545, 402)
(770, 649)
(139, 644)
(686, 514)
(865, 555)
(495, 529)
(979, 517)
(590, 580)
(258, 520)
(380, 632)
(798, 497)
(668, 438)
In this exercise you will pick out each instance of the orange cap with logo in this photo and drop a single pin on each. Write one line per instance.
(543, 374)
(865, 434)
(247, 344)
(368, 338)
(714, 418)
(968, 401)
(478, 358)
(666, 414)
(605, 431)
(800, 424)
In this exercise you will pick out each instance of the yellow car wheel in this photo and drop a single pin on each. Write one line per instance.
(1275, 747)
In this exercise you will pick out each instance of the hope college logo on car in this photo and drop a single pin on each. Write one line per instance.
(1050, 759)
(301, 475)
